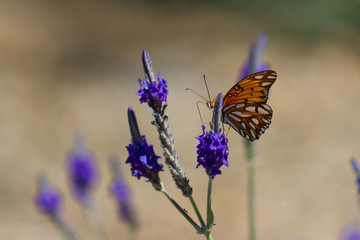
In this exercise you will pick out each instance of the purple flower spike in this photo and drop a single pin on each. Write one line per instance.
(121, 193)
(212, 152)
(153, 93)
(143, 161)
(245, 71)
(82, 172)
(255, 62)
(48, 199)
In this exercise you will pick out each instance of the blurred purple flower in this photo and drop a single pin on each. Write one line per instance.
(48, 198)
(351, 233)
(121, 193)
(356, 166)
(152, 93)
(255, 62)
(143, 161)
(83, 173)
(212, 152)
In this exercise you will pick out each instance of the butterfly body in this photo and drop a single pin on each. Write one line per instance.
(244, 105)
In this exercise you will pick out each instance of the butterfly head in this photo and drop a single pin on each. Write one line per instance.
(211, 104)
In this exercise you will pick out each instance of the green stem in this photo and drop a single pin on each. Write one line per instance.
(63, 227)
(209, 217)
(93, 220)
(196, 210)
(186, 216)
(251, 189)
(208, 236)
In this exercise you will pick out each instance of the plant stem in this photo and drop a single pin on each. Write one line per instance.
(187, 217)
(196, 211)
(251, 189)
(93, 220)
(64, 227)
(209, 217)
(208, 236)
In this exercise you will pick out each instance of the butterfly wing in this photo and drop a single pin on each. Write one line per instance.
(244, 105)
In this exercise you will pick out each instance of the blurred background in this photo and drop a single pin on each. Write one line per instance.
(69, 67)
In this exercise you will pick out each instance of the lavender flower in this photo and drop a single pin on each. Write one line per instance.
(356, 166)
(142, 158)
(255, 63)
(48, 199)
(212, 152)
(351, 233)
(153, 93)
(143, 161)
(120, 191)
(82, 172)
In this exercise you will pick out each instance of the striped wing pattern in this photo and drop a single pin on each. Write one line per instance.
(244, 105)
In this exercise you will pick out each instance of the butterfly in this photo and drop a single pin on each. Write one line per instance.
(244, 105)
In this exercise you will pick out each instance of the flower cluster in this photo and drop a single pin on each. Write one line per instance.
(48, 199)
(143, 161)
(212, 152)
(83, 173)
(153, 93)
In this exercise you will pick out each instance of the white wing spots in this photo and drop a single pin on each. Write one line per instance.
(250, 109)
(271, 77)
(234, 117)
(252, 133)
(240, 105)
(247, 137)
(232, 125)
(267, 107)
(228, 107)
(258, 77)
(266, 121)
(242, 132)
(243, 125)
(265, 91)
(252, 125)
(255, 121)
(265, 84)
(262, 111)
(240, 114)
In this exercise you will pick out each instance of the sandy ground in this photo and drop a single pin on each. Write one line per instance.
(71, 67)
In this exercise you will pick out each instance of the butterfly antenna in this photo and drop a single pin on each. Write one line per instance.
(189, 89)
(207, 89)
(198, 108)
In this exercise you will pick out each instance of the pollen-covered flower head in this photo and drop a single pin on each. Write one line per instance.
(212, 152)
(82, 170)
(48, 198)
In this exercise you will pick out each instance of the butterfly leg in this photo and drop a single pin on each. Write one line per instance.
(227, 131)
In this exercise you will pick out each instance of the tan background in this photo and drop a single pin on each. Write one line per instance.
(72, 67)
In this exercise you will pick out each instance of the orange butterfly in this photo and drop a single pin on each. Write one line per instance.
(244, 105)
